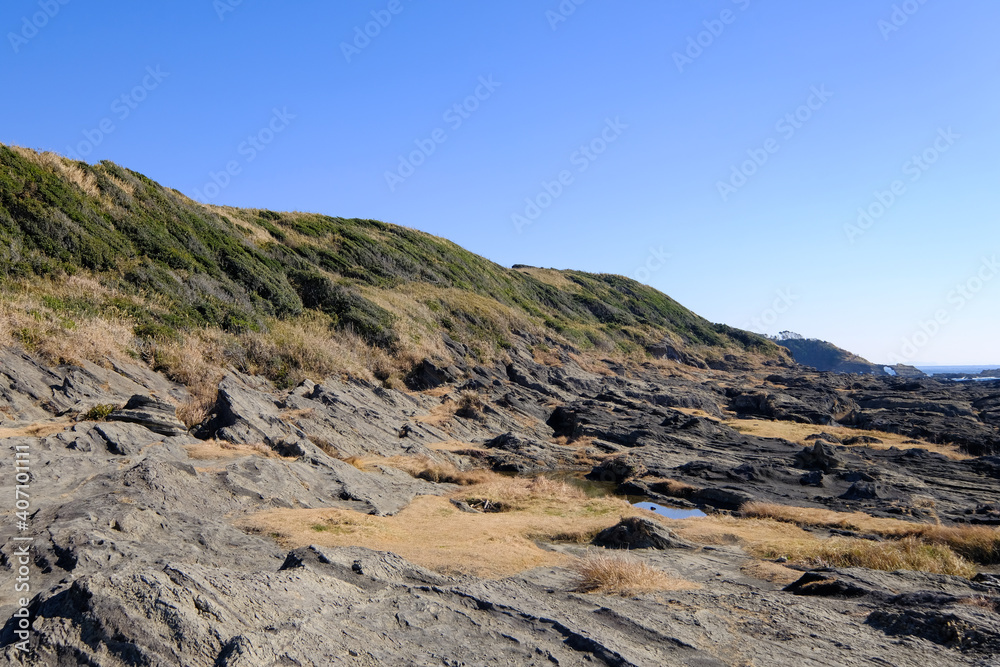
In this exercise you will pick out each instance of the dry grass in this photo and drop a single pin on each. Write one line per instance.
(817, 517)
(454, 446)
(552, 277)
(695, 412)
(470, 405)
(195, 363)
(435, 534)
(41, 430)
(909, 553)
(546, 356)
(670, 487)
(768, 538)
(798, 432)
(597, 366)
(498, 493)
(439, 415)
(424, 467)
(980, 544)
(622, 574)
(294, 415)
(360, 462)
(210, 450)
(770, 572)
(28, 320)
(982, 602)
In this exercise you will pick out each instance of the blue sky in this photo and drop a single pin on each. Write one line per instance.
(719, 151)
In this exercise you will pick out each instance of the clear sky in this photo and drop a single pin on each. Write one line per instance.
(719, 151)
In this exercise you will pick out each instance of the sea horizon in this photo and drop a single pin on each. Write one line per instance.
(970, 369)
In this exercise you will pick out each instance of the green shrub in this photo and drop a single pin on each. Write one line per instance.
(99, 412)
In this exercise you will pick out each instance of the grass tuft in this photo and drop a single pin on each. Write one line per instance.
(980, 544)
(622, 574)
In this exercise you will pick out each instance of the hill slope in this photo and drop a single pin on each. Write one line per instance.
(104, 246)
(825, 356)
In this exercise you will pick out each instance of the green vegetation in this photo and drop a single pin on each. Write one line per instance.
(263, 290)
(99, 412)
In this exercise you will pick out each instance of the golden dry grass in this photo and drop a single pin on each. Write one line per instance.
(499, 493)
(615, 573)
(818, 517)
(210, 450)
(424, 467)
(980, 544)
(774, 573)
(670, 487)
(798, 432)
(439, 415)
(909, 553)
(546, 356)
(454, 446)
(695, 412)
(28, 320)
(435, 534)
(769, 538)
(40, 430)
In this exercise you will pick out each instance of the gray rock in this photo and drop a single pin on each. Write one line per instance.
(820, 456)
(639, 533)
(157, 416)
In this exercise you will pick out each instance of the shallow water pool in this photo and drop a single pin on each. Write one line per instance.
(669, 512)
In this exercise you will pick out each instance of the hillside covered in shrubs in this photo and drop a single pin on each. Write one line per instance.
(94, 257)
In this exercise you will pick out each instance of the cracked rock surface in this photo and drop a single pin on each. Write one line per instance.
(137, 558)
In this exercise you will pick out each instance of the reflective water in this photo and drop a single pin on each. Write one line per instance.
(595, 489)
(669, 512)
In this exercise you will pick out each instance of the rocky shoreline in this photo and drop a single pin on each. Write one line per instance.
(139, 557)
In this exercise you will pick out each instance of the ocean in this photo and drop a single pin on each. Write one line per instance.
(968, 370)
